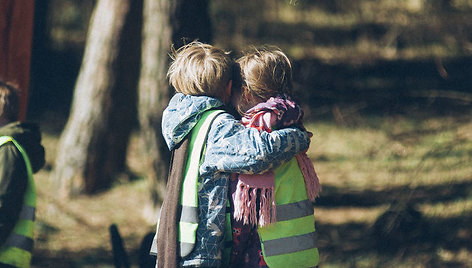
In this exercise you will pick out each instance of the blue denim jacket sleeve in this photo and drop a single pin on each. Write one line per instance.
(233, 148)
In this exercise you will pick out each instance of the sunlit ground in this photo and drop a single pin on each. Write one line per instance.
(369, 166)
(364, 167)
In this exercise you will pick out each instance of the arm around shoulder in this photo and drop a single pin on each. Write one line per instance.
(237, 149)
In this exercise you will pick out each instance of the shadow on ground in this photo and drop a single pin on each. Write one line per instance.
(400, 232)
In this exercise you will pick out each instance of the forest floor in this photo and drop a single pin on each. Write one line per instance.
(368, 165)
(397, 188)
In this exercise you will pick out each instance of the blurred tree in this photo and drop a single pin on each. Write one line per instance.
(92, 147)
(164, 22)
(154, 90)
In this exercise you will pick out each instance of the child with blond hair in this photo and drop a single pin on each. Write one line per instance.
(208, 145)
(273, 220)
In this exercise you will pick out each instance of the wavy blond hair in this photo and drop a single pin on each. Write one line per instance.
(200, 69)
(266, 72)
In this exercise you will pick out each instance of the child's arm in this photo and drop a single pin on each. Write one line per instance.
(233, 148)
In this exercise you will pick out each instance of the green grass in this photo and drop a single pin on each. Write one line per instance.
(403, 151)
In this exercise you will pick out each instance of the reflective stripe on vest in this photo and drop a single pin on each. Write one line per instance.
(289, 244)
(290, 241)
(16, 251)
(189, 200)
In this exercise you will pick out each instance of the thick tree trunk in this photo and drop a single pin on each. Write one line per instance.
(92, 148)
(16, 35)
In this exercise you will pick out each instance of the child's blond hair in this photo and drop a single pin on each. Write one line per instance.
(201, 69)
(266, 72)
(9, 102)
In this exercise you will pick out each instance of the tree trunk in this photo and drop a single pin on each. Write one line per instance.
(154, 89)
(166, 22)
(92, 148)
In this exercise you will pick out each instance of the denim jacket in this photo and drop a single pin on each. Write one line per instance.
(230, 148)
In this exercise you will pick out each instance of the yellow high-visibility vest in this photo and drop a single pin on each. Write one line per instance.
(290, 241)
(189, 199)
(17, 249)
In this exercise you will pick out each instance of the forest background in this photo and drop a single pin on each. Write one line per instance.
(386, 89)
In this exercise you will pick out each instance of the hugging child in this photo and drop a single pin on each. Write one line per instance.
(273, 220)
(208, 145)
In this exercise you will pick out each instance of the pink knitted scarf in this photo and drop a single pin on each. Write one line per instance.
(257, 191)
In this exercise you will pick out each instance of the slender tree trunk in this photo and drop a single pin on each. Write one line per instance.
(154, 89)
(92, 148)
(166, 23)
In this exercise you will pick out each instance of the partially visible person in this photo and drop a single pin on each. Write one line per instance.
(21, 155)
(273, 219)
(193, 219)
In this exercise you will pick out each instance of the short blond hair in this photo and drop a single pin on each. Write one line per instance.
(266, 72)
(9, 101)
(200, 69)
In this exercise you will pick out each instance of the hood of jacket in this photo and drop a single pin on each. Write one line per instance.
(29, 136)
(182, 114)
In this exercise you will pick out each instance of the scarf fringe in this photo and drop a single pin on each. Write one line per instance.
(312, 182)
(245, 197)
(245, 206)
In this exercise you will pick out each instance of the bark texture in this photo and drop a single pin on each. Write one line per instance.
(167, 23)
(92, 147)
(154, 89)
